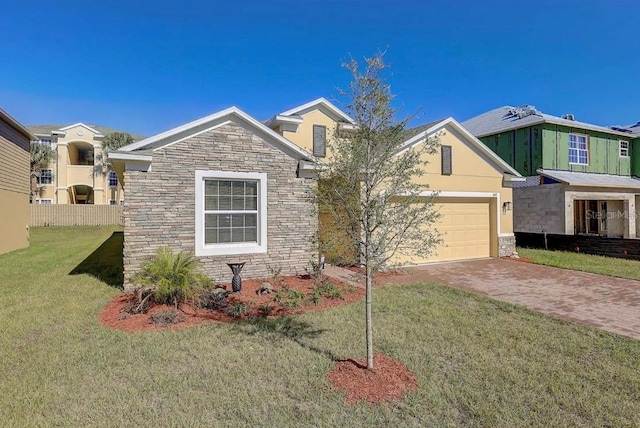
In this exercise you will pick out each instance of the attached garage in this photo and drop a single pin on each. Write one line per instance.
(465, 226)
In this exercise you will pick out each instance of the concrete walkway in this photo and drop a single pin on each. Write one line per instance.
(612, 304)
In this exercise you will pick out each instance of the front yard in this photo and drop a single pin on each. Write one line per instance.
(622, 268)
(478, 362)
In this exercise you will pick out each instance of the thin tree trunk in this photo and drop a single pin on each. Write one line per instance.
(368, 286)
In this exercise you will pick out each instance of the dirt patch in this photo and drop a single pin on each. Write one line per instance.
(257, 305)
(389, 379)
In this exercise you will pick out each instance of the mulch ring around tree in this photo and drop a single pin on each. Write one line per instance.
(388, 380)
(290, 296)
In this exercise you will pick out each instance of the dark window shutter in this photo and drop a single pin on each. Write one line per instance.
(446, 160)
(319, 141)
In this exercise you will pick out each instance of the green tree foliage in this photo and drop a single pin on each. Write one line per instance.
(41, 156)
(112, 142)
(368, 186)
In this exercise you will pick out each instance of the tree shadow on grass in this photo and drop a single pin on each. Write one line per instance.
(106, 263)
(289, 328)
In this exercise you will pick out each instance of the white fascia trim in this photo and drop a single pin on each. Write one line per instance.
(66, 128)
(498, 161)
(230, 249)
(215, 119)
(509, 178)
(129, 156)
(506, 235)
(479, 195)
(211, 128)
(320, 101)
(280, 119)
(59, 133)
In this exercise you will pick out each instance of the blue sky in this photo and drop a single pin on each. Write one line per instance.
(146, 66)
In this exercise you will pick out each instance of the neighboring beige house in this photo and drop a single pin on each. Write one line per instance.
(225, 187)
(473, 183)
(14, 184)
(79, 174)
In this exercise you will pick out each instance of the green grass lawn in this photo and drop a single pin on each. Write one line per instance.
(478, 362)
(611, 266)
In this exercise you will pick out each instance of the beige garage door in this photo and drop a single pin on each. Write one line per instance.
(465, 231)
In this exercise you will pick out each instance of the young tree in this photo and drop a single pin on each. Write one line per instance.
(41, 156)
(368, 186)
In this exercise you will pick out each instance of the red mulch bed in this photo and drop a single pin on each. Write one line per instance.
(114, 317)
(388, 380)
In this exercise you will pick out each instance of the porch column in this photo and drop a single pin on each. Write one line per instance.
(630, 218)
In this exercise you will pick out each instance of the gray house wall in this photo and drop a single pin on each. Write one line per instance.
(539, 209)
(160, 204)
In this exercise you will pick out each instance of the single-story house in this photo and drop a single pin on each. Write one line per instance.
(225, 187)
(15, 184)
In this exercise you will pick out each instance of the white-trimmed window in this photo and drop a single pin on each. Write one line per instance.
(44, 201)
(231, 213)
(578, 149)
(45, 141)
(623, 149)
(45, 177)
(113, 179)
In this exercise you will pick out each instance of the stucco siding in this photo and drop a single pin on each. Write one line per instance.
(160, 205)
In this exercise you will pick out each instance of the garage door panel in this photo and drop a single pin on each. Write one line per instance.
(465, 230)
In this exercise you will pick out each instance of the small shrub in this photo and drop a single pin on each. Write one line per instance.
(276, 275)
(315, 297)
(215, 299)
(294, 299)
(140, 303)
(265, 310)
(237, 309)
(172, 276)
(328, 290)
(165, 317)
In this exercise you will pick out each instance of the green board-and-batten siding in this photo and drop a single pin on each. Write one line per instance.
(547, 146)
(635, 157)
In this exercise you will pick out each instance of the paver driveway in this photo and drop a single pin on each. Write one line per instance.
(612, 304)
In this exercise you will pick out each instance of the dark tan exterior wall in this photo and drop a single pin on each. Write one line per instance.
(14, 189)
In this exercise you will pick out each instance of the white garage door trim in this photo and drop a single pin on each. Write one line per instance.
(478, 195)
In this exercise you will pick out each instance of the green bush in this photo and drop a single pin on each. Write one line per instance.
(328, 290)
(172, 276)
(237, 309)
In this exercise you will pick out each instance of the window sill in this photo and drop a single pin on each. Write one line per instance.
(230, 249)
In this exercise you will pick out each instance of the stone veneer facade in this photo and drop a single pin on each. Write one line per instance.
(159, 207)
(506, 246)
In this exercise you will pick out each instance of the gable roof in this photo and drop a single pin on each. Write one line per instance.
(207, 123)
(322, 104)
(591, 179)
(505, 118)
(47, 130)
(429, 129)
(15, 124)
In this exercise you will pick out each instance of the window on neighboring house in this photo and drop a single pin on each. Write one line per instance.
(446, 159)
(578, 150)
(45, 177)
(319, 141)
(623, 148)
(112, 202)
(231, 213)
(113, 179)
(43, 201)
(45, 141)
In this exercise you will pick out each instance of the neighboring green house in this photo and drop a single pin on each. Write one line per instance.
(582, 176)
